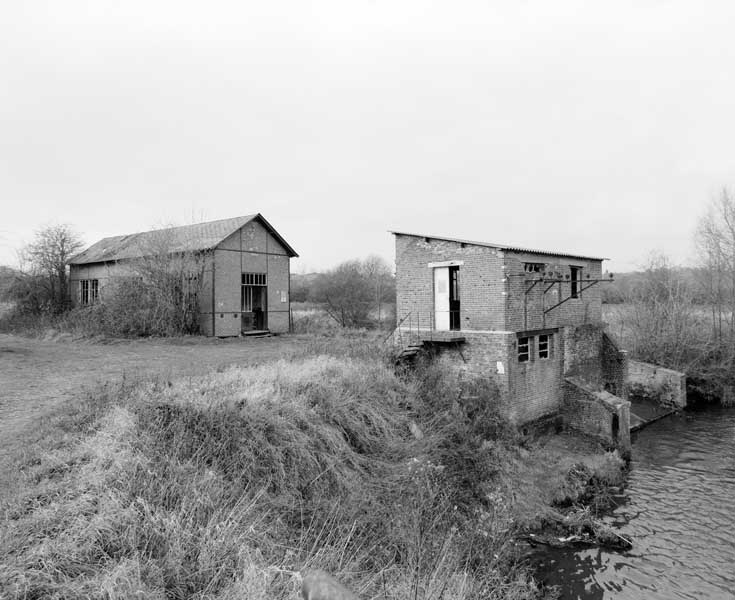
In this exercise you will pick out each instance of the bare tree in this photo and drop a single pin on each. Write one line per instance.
(354, 290)
(715, 240)
(160, 293)
(44, 262)
(664, 328)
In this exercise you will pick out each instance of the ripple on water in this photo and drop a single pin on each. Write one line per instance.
(679, 507)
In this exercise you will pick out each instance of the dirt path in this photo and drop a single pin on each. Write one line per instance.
(36, 375)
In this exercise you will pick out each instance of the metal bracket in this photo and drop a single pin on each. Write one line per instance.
(591, 283)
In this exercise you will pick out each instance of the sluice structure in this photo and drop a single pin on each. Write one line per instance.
(530, 321)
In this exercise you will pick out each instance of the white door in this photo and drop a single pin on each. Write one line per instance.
(441, 298)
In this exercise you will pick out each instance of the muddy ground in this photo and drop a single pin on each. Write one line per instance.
(38, 374)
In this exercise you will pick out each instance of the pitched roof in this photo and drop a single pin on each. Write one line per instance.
(189, 238)
(504, 247)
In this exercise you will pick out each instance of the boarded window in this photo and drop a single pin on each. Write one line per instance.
(544, 345)
(524, 349)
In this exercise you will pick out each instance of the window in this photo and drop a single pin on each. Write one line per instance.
(576, 276)
(534, 267)
(89, 291)
(254, 295)
(254, 279)
(544, 345)
(524, 349)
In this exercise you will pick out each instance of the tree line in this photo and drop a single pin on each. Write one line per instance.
(684, 317)
(355, 293)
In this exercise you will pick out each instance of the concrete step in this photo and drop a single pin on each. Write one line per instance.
(636, 422)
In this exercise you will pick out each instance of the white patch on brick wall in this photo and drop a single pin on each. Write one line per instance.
(501, 367)
(446, 263)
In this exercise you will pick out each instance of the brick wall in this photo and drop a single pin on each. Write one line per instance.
(483, 355)
(494, 307)
(481, 283)
(529, 390)
(526, 311)
(597, 413)
(493, 286)
(614, 367)
(583, 353)
(535, 385)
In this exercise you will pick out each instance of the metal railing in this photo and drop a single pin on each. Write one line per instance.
(413, 328)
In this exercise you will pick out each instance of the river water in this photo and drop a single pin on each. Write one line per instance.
(679, 509)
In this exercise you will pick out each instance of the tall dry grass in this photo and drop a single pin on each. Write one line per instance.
(227, 485)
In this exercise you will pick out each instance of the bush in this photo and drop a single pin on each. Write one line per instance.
(133, 307)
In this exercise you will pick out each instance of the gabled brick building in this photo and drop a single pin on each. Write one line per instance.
(245, 279)
(530, 320)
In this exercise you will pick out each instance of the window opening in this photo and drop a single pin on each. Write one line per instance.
(524, 349)
(454, 324)
(534, 267)
(615, 427)
(254, 278)
(575, 277)
(544, 345)
(89, 291)
(254, 301)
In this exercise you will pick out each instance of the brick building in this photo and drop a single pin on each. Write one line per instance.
(530, 320)
(245, 266)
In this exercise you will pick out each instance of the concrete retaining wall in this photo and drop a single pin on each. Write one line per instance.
(665, 386)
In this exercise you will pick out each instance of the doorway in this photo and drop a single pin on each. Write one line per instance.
(254, 296)
(454, 324)
(446, 299)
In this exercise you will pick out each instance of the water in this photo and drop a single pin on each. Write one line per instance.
(679, 509)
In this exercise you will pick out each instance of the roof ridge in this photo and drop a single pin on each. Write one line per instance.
(249, 217)
(508, 247)
(183, 238)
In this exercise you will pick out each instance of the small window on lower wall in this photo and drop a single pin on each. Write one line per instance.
(544, 345)
(524, 349)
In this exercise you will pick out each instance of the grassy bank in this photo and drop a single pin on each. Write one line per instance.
(227, 485)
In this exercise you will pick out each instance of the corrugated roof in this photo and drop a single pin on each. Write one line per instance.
(504, 247)
(188, 238)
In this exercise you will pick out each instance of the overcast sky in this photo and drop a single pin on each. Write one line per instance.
(599, 128)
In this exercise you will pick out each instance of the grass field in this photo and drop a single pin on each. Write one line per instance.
(37, 375)
(196, 468)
